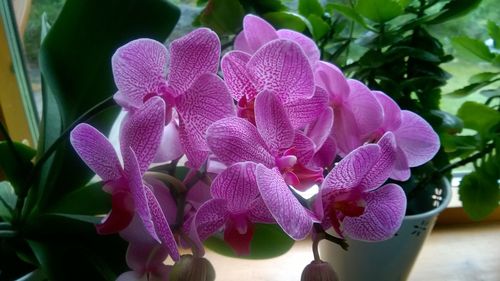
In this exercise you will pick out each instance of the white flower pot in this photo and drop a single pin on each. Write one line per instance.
(392, 259)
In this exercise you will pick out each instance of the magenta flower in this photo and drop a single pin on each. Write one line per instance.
(257, 32)
(416, 141)
(357, 112)
(139, 138)
(352, 200)
(279, 66)
(236, 206)
(283, 153)
(192, 87)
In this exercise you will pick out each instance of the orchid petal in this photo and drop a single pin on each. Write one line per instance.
(143, 257)
(310, 48)
(320, 129)
(384, 212)
(125, 102)
(142, 131)
(382, 168)
(96, 151)
(132, 276)
(325, 156)
(236, 75)
(345, 130)
(304, 147)
(282, 67)
(163, 196)
(286, 209)
(241, 44)
(257, 32)
(139, 68)
(122, 212)
(272, 122)
(365, 107)
(161, 225)
(210, 218)
(235, 139)
(349, 172)
(205, 102)
(392, 112)
(304, 111)
(401, 170)
(331, 78)
(170, 145)
(237, 185)
(136, 186)
(259, 212)
(416, 138)
(192, 55)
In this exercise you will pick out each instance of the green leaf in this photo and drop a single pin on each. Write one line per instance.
(15, 162)
(479, 191)
(319, 27)
(82, 218)
(92, 200)
(479, 117)
(310, 7)
(472, 88)
(455, 9)
(7, 200)
(494, 32)
(379, 10)
(263, 6)
(75, 63)
(223, 16)
(349, 13)
(453, 143)
(483, 77)
(474, 47)
(450, 123)
(268, 241)
(288, 20)
(490, 92)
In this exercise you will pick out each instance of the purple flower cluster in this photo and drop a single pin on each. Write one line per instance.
(275, 123)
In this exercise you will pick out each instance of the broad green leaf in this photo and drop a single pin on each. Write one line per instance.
(479, 191)
(494, 32)
(483, 77)
(379, 10)
(92, 200)
(450, 124)
(405, 51)
(36, 275)
(455, 9)
(320, 27)
(223, 16)
(15, 162)
(452, 143)
(263, 6)
(75, 63)
(288, 20)
(7, 200)
(310, 7)
(474, 47)
(268, 241)
(490, 92)
(82, 218)
(349, 13)
(479, 117)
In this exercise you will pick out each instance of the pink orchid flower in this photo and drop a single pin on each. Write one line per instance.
(139, 138)
(416, 141)
(352, 200)
(279, 66)
(236, 206)
(357, 112)
(257, 32)
(192, 87)
(283, 155)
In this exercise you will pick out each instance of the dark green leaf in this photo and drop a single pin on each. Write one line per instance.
(36, 275)
(474, 47)
(472, 88)
(82, 218)
(453, 143)
(455, 9)
(15, 162)
(75, 62)
(479, 191)
(490, 93)
(288, 20)
(404, 51)
(7, 200)
(263, 6)
(92, 200)
(223, 16)
(320, 27)
(494, 32)
(349, 13)
(379, 10)
(483, 77)
(268, 241)
(450, 123)
(478, 117)
(310, 7)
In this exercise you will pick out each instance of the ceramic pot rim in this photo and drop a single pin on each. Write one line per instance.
(434, 212)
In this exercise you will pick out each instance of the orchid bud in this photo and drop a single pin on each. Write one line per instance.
(190, 268)
(319, 271)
